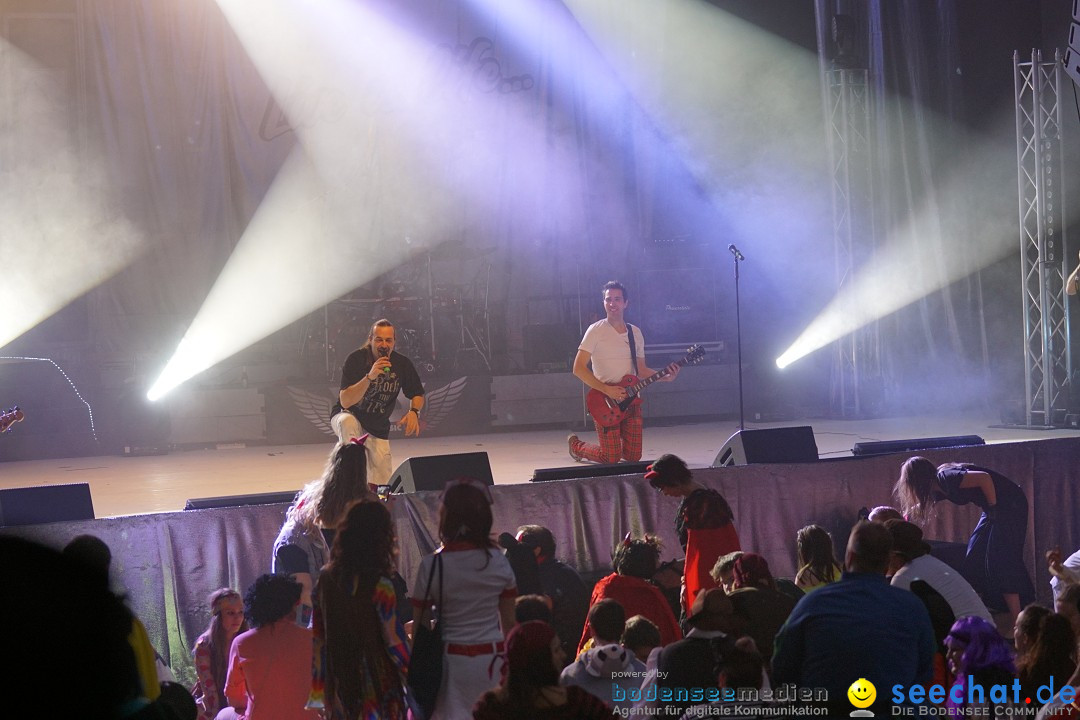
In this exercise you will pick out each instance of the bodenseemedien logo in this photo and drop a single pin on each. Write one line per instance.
(862, 694)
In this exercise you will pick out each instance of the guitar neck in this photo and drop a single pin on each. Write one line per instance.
(642, 384)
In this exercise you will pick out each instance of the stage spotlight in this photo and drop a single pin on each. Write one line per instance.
(60, 236)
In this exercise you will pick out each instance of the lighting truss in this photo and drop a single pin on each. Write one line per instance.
(1043, 251)
(857, 367)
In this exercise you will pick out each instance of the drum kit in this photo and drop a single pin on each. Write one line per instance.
(440, 326)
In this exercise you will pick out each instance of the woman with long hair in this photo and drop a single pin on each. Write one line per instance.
(531, 687)
(816, 559)
(994, 564)
(1026, 629)
(704, 523)
(212, 650)
(302, 546)
(477, 590)
(1051, 658)
(361, 655)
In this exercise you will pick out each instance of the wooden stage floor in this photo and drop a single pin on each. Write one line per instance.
(134, 485)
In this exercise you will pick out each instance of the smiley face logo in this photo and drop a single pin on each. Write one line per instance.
(862, 693)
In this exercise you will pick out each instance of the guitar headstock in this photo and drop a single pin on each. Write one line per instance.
(10, 417)
(695, 354)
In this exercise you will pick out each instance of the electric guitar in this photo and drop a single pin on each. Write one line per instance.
(608, 413)
(10, 417)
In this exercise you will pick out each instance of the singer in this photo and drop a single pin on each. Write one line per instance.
(370, 382)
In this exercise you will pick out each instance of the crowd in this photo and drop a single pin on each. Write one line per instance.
(504, 629)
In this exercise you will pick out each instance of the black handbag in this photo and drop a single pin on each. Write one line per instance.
(426, 661)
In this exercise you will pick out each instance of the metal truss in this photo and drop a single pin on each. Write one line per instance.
(857, 373)
(1043, 250)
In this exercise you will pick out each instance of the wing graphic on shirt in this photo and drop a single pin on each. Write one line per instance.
(439, 403)
(316, 408)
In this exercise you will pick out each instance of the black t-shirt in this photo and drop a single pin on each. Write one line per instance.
(374, 409)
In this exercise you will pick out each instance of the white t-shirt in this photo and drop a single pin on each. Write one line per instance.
(474, 582)
(957, 591)
(610, 351)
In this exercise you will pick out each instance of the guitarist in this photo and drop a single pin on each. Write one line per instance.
(607, 345)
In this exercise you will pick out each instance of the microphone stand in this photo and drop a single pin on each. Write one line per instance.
(736, 257)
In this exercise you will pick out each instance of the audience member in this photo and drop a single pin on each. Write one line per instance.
(560, 582)
(531, 686)
(70, 627)
(884, 513)
(94, 554)
(1067, 605)
(723, 572)
(911, 560)
(817, 561)
(694, 661)
(302, 546)
(641, 636)
(269, 675)
(980, 657)
(704, 523)
(360, 652)
(1060, 708)
(212, 650)
(477, 588)
(635, 561)
(607, 664)
(523, 563)
(1062, 573)
(1051, 657)
(761, 608)
(994, 563)
(532, 607)
(740, 669)
(1026, 628)
(895, 645)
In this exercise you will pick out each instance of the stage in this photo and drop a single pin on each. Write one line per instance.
(126, 485)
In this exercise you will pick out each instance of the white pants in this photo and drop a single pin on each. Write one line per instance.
(380, 464)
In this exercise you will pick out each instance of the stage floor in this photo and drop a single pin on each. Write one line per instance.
(133, 485)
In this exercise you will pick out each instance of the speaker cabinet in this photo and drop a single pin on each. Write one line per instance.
(225, 501)
(675, 306)
(45, 504)
(549, 347)
(769, 445)
(575, 472)
(432, 472)
(885, 447)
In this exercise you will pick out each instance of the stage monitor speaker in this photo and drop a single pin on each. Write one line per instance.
(769, 445)
(434, 471)
(225, 501)
(576, 472)
(896, 446)
(45, 504)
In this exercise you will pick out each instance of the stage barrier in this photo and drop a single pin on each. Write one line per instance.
(168, 563)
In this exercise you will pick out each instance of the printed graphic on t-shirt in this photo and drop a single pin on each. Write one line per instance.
(381, 394)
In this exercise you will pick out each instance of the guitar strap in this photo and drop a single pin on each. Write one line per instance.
(633, 350)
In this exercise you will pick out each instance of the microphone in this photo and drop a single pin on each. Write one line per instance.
(735, 251)
(385, 352)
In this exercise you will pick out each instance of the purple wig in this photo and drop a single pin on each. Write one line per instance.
(984, 649)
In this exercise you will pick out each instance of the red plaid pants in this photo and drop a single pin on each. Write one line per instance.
(618, 442)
